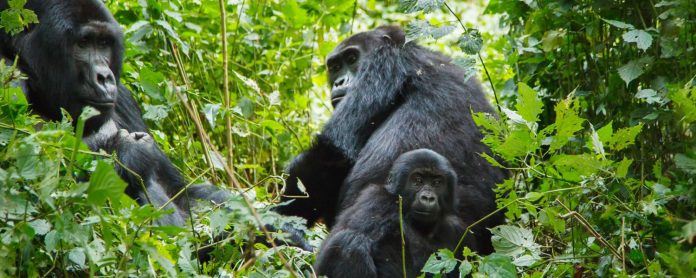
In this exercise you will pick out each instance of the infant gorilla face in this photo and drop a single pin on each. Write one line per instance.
(134, 137)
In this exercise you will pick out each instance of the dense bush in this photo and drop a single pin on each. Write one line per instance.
(597, 105)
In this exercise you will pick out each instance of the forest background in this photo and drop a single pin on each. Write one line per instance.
(597, 106)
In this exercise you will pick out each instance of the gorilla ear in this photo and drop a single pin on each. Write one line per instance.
(393, 35)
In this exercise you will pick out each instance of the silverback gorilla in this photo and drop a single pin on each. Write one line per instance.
(391, 97)
(366, 240)
(73, 59)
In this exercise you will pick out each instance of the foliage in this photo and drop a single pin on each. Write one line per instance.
(597, 113)
(16, 17)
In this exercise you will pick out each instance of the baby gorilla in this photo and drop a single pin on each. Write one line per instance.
(143, 163)
(366, 240)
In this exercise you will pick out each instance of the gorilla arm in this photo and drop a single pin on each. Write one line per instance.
(350, 249)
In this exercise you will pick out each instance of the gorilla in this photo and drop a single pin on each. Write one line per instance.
(143, 163)
(72, 59)
(390, 97)
(366, 239)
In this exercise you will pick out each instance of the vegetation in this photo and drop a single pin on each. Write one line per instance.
(597, 115)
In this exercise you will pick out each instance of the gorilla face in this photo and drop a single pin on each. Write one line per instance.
(343, 62)
(427, 183)
(93, 53)
(72, 57)
(426, 189)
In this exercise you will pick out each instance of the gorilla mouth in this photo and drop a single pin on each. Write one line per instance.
(101, 104)
(337, 94)
(422, 213)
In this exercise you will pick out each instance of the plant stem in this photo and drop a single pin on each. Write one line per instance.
(403, 240)
(485, 69)
(226, 92)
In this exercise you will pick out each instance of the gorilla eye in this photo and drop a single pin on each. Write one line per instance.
(103, 43)
(419, 179)
(352, 58)
(437, 182)
(82, 42)
(334, 67)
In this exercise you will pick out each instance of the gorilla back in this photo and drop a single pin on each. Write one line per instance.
(392, 97)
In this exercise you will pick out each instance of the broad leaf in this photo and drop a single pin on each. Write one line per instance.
(529, 105)
(640, 37)
(471, 42)
(104, 184)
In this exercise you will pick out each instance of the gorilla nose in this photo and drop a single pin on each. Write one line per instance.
(428, 198)
(342, 81)
(105, 81)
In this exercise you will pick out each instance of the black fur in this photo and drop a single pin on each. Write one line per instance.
(366, 240)
(144, 165)
(57, 78)
(403, 97)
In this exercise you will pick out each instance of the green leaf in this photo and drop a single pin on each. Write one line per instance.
(40, 226)
(465, 268)
(426, 6)
(549, 218)
(640, 37)
(517, 144)
(533, 196)
(104, 184)
(294, 13)
(423, 29)
(517, 243)
(210, 110)
(597, 145)
(247, 81)
(618, 24)
(467, 64)
(567, 123)
(685, 163)
(634, 69)
(77, 256)
(491, 160)
(88, 112)
(155, 113)
(685, 99)
(471, 42)
(441, 262)
(552, 40)
(498, 266)
(625, 137)
(272, 125)
(15, 18)
(576, 167)
(689, 231)
(28, 161)
(529, 105)
(622, 168)
(219, 220)
(605, 133)
(150, 82)
(650, 96)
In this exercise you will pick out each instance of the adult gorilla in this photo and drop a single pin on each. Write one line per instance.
(73, 59)
(391, 97)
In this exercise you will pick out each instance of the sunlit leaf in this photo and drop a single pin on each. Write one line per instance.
(529, 105)
(104, 184)
(471, 42)
(634, 69)
(441, 262)
(640, 37)
(426, 6)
